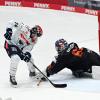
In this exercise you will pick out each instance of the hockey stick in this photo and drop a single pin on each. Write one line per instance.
(55, 85)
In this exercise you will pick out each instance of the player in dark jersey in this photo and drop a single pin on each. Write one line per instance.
(78, 60)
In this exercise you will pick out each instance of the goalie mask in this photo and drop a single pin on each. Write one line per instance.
(60, 45)
(36, 30)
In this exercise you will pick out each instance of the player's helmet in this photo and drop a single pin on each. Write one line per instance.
(13, 23)
(36, 30)
(60, 45)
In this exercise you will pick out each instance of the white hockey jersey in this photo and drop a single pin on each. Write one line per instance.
(21, 36)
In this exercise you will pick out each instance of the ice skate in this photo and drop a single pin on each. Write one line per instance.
(13, 81)
(32, 74)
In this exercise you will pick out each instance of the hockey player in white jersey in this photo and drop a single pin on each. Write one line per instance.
(19, 41)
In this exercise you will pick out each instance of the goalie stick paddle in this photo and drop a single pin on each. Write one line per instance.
(55, 85)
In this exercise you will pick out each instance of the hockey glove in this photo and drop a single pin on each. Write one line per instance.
(8, 34)
(26, 56)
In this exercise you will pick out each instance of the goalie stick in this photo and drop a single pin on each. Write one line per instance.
(55, 85)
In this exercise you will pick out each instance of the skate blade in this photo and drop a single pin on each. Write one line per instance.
(14, 86)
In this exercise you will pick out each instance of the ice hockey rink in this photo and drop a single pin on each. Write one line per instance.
(74, 27)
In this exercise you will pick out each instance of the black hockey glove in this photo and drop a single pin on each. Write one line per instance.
(8, 34)
(26, 57)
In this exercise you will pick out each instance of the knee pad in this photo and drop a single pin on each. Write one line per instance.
(15, 58)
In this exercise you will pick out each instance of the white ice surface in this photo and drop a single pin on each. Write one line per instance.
(80, 28)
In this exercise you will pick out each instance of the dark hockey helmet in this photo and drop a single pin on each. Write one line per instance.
(36, 30)
(60, 45)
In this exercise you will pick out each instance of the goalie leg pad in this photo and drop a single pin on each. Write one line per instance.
(96, 72)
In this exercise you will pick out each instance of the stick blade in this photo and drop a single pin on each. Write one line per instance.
(60, 85)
